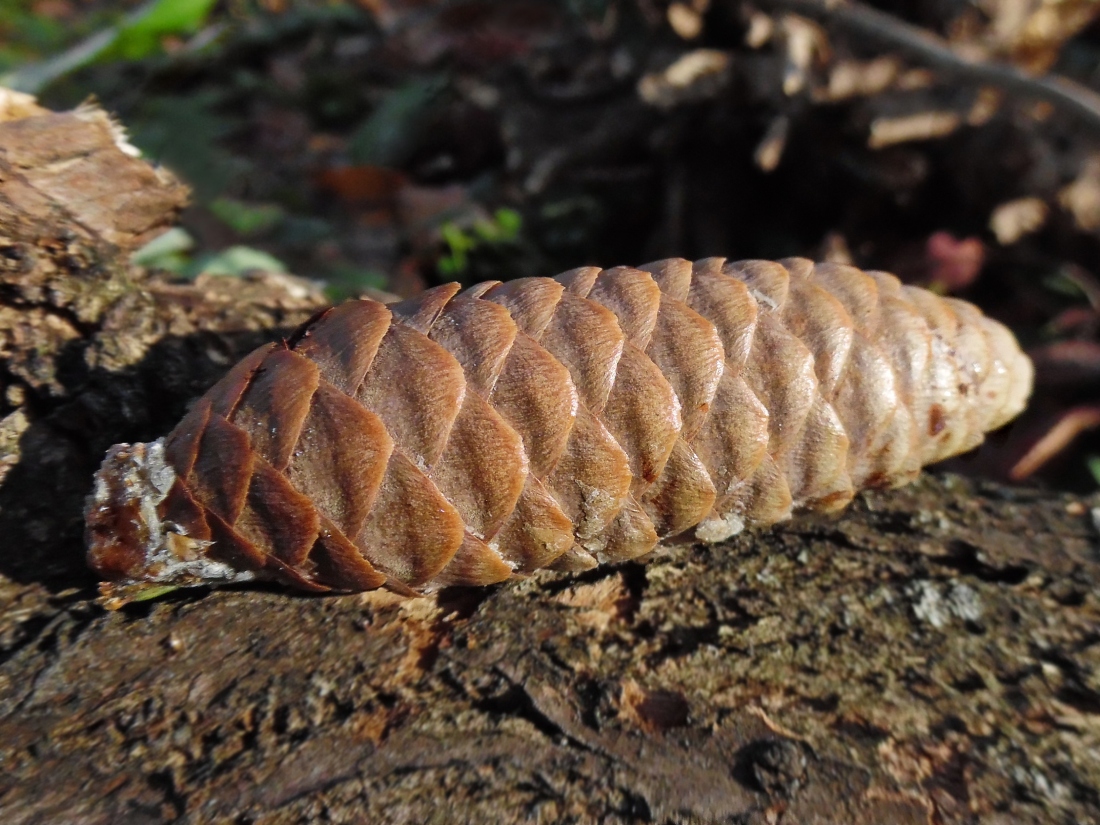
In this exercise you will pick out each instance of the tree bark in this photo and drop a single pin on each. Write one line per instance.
(931, 656)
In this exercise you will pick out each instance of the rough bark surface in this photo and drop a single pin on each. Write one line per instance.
(930, 656)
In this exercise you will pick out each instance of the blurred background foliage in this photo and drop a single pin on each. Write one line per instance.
(388, 145)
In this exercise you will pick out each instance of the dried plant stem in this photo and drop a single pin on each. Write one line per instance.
(934, 51)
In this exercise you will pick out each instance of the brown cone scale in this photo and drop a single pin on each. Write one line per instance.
(462, 438)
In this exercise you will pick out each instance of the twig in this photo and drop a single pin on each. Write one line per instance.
(921, 44)
(1055, 440)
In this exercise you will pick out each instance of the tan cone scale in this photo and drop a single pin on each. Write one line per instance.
(462, 438)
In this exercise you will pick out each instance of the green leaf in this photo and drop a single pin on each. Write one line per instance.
(172, 17)
(486, 231)
(172, 241)
(166, 251)
(1093, 463)
(451, 267)
(387, 136)
(153, 592)
(141, 37)
(456, 239)
(138, 35)
(460, 244)
(502, 229)
(345, 281)
(236, 261)
(247, 218)
(185, 134)
(510, 222)
(1063, 285)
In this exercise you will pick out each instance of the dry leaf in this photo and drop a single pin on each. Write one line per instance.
(1012, 220)
(697, 75)
(1082, 197)
(888, 131)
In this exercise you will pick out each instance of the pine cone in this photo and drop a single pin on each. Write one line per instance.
(462, 438)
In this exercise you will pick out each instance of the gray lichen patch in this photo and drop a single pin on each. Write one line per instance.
(938, 604)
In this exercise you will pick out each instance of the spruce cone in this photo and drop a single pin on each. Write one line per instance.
(465, 437)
